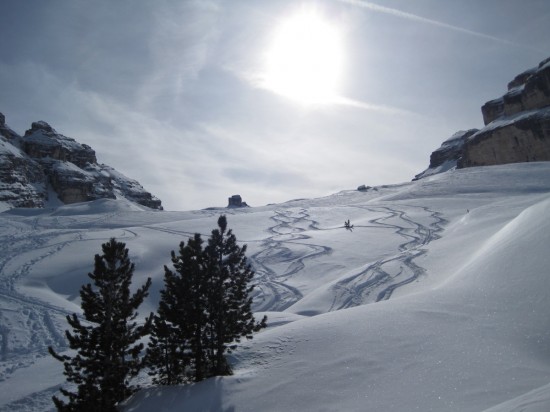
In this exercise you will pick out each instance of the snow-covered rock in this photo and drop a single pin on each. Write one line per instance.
(22, 180)
(529, 90)
(446, 157)
(44, 163)
(517, 128)
(41, 141)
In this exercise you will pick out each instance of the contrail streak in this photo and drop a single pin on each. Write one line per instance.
(414, 17)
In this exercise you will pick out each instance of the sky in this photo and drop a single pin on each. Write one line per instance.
(273, 100)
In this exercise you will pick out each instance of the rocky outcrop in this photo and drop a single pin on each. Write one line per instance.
(523, 138)
(363, 188)
(22, 180)
(5, 131)
(122, 186)
(517, 128)
(528, 91)
(42, 141)
(44, 161)
(447, 156)
(236, 201)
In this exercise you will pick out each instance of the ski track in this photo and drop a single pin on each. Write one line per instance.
(278, 260)
(185, 234)
(30, 322)
(282, 255)
(376, 282)
(272, 293)
(32, 330)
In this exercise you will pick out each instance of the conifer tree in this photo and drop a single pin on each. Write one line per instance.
(108, 352)
(182, 308)
(166, 358)
(229, 302)
(205, 306)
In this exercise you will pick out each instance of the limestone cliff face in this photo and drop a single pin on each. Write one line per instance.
(517, 125)
(522, 139)
(45, 163)
(517, 128)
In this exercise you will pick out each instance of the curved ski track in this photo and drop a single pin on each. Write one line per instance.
(32, 329)
(272, 293)
(377, 281)
(280, 258)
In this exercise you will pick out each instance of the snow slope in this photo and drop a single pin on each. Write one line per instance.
(436, 300)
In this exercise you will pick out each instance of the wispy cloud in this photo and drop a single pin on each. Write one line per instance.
(256, 80)
(414, 17)
(379, 108)
(180, 42)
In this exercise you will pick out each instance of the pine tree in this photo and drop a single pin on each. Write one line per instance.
(166, 358)
(205, 306)
(108, 352)
(229, 302)
(182, 308)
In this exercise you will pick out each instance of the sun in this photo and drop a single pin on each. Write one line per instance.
(305, 59)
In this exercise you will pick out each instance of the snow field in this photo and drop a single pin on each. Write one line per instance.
(435, 301)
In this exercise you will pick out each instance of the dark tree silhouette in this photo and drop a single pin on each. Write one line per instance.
(108, 352)
(205, 306)
(229, 302)
(180, 355)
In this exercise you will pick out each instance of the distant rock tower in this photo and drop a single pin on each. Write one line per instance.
(236, 201)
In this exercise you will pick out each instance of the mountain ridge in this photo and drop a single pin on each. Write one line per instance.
(44, 167)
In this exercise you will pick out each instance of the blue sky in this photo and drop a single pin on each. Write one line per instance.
(167, 92)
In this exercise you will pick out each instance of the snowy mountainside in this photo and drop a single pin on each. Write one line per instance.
(436, 299)
(44, 168)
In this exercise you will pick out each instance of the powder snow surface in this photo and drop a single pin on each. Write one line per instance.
(436, 300)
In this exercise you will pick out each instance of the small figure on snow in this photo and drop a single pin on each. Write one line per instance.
(348, 226)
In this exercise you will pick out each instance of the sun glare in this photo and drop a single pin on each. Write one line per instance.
(304, 61)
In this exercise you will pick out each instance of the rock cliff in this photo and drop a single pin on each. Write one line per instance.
(528, 91)
(447, 156)
(22, 180)
(524, 137)
(44, 163)
(517, 128)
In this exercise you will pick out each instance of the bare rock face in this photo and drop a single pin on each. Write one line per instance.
(43, 159)
(517, 125)
(517, 128)
(524, 138)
